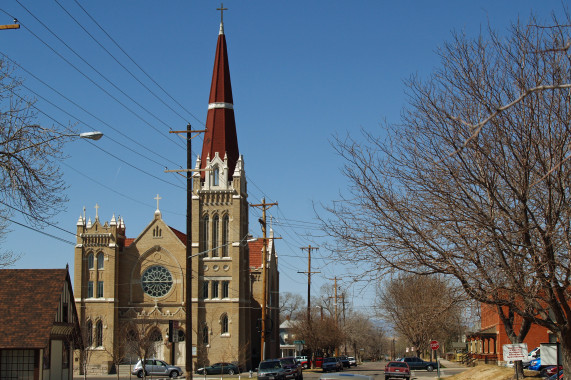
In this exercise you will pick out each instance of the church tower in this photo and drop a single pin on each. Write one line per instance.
(220, 228)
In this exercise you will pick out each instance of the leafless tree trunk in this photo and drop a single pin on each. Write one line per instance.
(475, 182)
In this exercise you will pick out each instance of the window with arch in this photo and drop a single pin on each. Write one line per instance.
(156, 336)
(204, 237)
(99, 334)
(216, 176)
(181, 335)
(89, 333)
(225, 225)
(100, 258)
(205, 333)
(224, 324)
(215, 232)
(90, 261)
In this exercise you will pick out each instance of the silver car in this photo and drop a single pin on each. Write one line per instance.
(156, 367)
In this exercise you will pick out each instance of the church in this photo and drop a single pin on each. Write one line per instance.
(130, 293)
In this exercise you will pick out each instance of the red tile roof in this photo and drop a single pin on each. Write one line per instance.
(30, 300)
(181, 236)
(256, 253)
(129, 241)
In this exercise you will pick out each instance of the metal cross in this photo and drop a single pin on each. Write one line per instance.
(157, 198)
(222, 9)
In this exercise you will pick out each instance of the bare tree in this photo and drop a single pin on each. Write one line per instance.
(474, 183)
(30, 178)
(142, 337)
(290, 305)
(421, 308)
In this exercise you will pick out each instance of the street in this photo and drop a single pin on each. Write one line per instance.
(374, 369)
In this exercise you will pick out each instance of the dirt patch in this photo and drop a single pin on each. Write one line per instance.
(490, 372)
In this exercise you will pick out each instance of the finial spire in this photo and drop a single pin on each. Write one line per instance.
(221, 9)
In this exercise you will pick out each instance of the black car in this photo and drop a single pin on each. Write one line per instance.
(271, 370)
(219, 368)
(415, 362)
(345, 361)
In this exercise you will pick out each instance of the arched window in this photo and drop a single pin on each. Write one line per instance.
(156, 336)
(205, 334)
(225, 223)
(100, 260)
(89, 333)
(181, 336)
(99, 334)
(215, 232)
(224, 324)
(216, 176)
(204, 237)
(90, 261)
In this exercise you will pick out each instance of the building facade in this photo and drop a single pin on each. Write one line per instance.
(128, 285)
(38, 324)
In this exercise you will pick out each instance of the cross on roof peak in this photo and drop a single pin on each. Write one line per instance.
(221, 9)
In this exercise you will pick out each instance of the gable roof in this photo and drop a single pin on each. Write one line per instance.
(30, 299)
(180, 235)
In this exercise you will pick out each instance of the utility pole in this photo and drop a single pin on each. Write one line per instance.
(264, 206)
(336, 313)
(188, 277)
(309, 272)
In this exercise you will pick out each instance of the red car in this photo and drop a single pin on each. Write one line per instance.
(397, 370)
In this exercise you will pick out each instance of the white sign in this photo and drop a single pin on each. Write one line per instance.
(513, 352)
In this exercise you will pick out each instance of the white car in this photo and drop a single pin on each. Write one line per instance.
(352, 361)
(156, 367)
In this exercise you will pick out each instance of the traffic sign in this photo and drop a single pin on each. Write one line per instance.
(434, 344)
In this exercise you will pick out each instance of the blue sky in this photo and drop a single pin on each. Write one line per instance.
(301, 72)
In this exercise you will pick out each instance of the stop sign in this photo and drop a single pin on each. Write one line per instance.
(434, 344)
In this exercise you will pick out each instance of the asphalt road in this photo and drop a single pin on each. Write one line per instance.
(374, 369)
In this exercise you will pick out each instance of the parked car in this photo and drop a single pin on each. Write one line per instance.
(535, 364)
(397, 370)
(352, 361)
(318, 362)
(415, 362)
(156, 367)
(549, 371)
(556, 376)
(331, 363)
(292, 368)
(218, 369)
(271, 370)
(533, 354)
(304, 361)
(344, 361)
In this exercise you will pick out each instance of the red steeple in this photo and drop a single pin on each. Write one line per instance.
(220, 133)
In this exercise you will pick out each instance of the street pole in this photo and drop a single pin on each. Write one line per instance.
(188, 358)
(189, 256)
(264, 207)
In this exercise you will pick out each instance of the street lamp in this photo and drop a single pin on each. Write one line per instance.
(94, 135)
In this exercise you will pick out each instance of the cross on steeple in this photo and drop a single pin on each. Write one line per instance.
(96, 211)
(157, 198)
(221, 9)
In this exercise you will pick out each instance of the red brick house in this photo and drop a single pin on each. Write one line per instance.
(487, 343)
(39, 327)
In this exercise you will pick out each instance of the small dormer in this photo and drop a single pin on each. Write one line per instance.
(216, 176)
